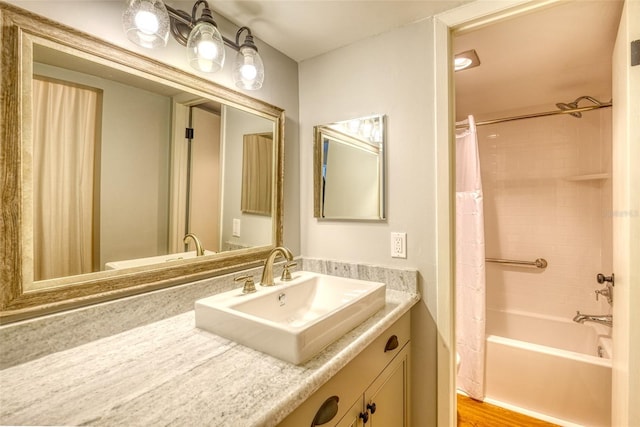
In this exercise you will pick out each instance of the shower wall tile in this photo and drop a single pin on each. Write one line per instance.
(533, 211)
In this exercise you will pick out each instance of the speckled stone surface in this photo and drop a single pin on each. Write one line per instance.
(399, 280)
(28, 340)
(170, 373)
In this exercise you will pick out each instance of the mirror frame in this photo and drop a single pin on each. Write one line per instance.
(19, 29)
(319, 133)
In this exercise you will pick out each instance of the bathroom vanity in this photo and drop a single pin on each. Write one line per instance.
(373, 386)
(169, 371)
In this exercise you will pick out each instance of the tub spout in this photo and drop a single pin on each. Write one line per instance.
(603, 319)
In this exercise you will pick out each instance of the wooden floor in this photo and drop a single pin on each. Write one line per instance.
(472, 413)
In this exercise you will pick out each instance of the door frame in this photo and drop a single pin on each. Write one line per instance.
(465, 18)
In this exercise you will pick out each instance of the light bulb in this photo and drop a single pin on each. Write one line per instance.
(248, 70)
(353, 126)
(367, 127)
(205, 48)
(146, 22)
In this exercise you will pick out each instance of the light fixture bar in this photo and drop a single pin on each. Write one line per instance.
(183, 18)
(149, 22)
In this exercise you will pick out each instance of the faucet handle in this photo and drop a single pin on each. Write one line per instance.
(601, 278)
(249, 286)
(286, 274)
(606, 292)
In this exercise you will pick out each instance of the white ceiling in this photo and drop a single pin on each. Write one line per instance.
(553, 55)
(302, 29)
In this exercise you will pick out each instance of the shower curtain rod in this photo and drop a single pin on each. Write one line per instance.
(533, 115)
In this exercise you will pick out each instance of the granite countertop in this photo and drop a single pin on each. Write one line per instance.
(171, 373)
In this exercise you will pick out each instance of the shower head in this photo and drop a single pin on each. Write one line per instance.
(570, 106)
(573, 105)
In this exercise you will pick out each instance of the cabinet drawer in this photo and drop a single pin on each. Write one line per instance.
(351, 381)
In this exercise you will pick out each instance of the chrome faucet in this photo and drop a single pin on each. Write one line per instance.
(267, 273)
(603, 319)
(196, 241)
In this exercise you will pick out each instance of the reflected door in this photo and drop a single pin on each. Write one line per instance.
(204, 203)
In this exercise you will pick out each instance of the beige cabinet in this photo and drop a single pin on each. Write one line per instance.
(372, 387)
(385, 402)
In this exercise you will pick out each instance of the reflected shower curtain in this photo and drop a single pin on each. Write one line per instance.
(64, 139)
(470, 264)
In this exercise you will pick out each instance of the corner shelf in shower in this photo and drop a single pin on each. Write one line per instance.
(588, 177)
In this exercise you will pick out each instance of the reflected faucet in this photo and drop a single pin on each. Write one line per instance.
(196, 241)
(267, 273)
(603, 319)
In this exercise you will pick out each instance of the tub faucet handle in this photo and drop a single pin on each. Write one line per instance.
(601, 278)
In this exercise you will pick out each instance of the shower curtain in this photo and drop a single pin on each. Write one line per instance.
(470, 264)
(64, 138)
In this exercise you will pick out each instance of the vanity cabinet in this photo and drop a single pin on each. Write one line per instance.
(377, 378)
(384, 403)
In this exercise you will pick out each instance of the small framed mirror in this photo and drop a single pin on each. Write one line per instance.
(349, 169)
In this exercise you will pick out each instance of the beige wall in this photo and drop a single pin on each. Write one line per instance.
(388, 74)
(540, 203)
(255, 230)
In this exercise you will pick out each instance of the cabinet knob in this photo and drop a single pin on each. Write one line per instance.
(327, 411)
(392, 343)
(371, 407)
(364, 416)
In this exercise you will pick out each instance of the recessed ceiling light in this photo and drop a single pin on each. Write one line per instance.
(466, 60)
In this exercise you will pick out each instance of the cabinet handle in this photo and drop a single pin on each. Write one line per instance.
(364, 416)
(392, 343)
(327, 411)
(371, 407)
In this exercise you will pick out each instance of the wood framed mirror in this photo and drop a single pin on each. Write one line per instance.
(348, 169)
(137, 194)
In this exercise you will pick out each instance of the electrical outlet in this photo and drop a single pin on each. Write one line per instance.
(398, 245)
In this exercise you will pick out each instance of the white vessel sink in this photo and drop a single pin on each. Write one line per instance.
(129, 263)
(292, 320)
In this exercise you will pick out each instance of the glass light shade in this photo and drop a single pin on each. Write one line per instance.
(146, 23)
(248, 69)
(205, 48)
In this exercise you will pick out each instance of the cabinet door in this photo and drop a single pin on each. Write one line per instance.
(352, 417)
(387, 398)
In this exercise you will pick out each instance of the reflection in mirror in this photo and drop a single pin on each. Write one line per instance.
(109, 160)
(103, 152)
(349, 169)
(256, 169)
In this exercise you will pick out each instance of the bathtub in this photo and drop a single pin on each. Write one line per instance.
(549, 368)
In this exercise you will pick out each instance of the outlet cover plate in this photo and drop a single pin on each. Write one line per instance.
(398, 245)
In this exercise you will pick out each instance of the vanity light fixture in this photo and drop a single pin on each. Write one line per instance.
(147, 23)
(465, 60)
